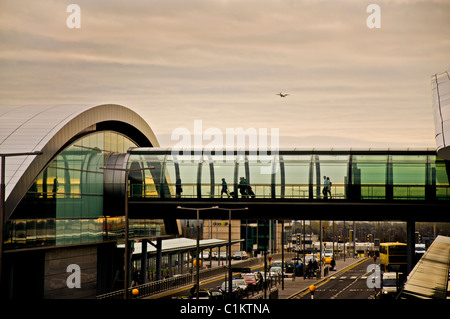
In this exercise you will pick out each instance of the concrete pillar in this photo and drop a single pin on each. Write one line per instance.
(144, 261)
(411, 245)
(158, 258)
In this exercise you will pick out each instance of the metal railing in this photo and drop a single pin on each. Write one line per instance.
(294, 191)
(163, 285)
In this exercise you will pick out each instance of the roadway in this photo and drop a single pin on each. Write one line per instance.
(349, 284)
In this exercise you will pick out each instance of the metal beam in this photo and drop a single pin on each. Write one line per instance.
(297, 209)
(410, 245)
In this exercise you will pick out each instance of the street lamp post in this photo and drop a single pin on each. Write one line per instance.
(229, 242)
(127, 252)
(230, 272)
(198, 241)
(3, 199)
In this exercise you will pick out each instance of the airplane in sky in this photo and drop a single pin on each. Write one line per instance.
(282, 95)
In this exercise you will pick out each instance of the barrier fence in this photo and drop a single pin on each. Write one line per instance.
(159, 286)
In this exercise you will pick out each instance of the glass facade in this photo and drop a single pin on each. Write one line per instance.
(355, 175)
(64, 205)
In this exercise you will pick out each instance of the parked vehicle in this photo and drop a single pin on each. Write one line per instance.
(235, 289)
(253, 280)
(275, 272)
(223, 255)
(288, 265)
(240, 255)
(215, 294)
(204, 254)
(203, 294)
(242, 285)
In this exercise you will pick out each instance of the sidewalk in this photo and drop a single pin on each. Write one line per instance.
(292, 287)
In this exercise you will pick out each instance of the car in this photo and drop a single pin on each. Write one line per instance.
(297, 260)
(328, 253)
(204, 255)
(288, 265)
(216, 294)
(275, 272)
(276, 263)
(202, 294)
(253, 280)
(240, 255)
(235, 289)
(242, 285)
(223, 255)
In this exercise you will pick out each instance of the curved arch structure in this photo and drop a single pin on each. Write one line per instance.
(49, 129)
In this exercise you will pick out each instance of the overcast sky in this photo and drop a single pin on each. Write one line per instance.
(224, 61)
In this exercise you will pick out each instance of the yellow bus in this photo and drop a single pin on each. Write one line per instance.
(392, 257)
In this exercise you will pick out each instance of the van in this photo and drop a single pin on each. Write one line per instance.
(389, 284)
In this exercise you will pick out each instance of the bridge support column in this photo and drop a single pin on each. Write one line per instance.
(158, 247)
(181, 263)
(411, 245)
(144, 261)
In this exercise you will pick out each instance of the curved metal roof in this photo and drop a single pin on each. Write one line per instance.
(48, 129)
(429, 279)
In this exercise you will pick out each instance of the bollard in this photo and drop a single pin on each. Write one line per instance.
(312, 288)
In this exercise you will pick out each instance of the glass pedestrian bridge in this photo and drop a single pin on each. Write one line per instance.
(289, 174)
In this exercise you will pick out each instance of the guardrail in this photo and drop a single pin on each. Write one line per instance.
(159, 286)
(293, 191)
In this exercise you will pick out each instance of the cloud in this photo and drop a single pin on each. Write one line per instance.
(223, 61)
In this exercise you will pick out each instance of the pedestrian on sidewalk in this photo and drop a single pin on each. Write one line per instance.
(193, 291)
(333, 263)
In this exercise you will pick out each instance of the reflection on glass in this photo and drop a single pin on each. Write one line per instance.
(32, 233)
(69, 192)
(353, 176)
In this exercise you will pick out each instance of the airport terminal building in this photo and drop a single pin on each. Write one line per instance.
(65, 204)
(62, 207)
